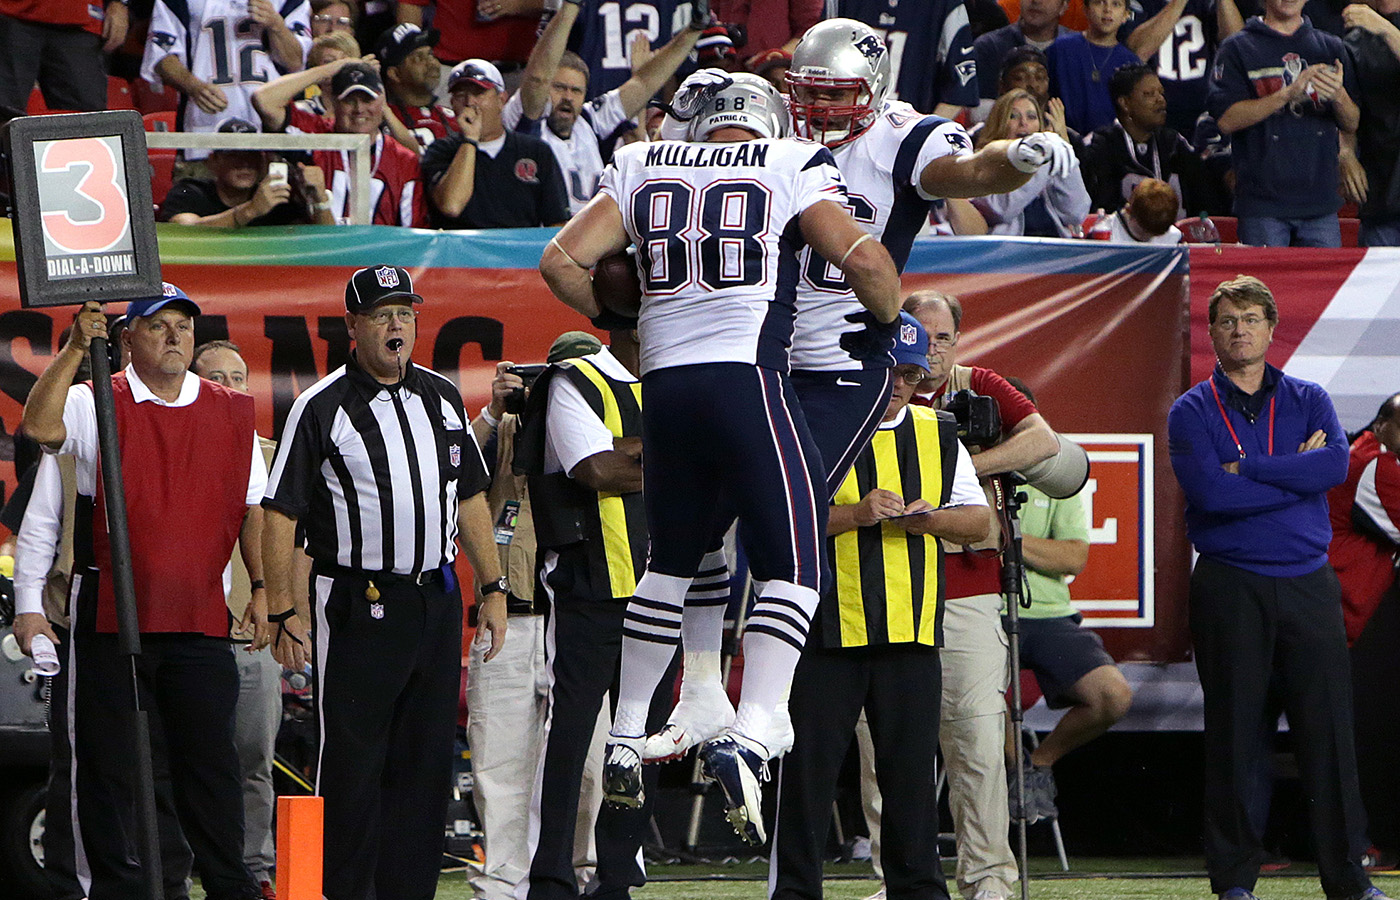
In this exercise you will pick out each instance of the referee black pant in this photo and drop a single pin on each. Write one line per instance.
(388, 676)
(189, 683)
(899, 686)
(583, 647)
(1375, 671)
(1246, 628)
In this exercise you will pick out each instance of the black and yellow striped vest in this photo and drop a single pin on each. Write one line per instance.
(889, 583)
(612, 526)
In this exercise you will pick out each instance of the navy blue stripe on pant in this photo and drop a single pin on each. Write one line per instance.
(842, 409)
(722, 437)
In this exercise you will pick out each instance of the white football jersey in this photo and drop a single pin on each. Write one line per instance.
(717, 241)
(580, 155)
(219, 43)
(881, 168)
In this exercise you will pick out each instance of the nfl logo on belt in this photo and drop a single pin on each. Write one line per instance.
(454, 454)
(387, 276)
(376, 610)
(907, 334)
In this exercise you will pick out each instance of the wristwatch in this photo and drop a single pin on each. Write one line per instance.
(499, 586)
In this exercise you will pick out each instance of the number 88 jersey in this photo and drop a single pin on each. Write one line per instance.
(219, 43)
(717, 236)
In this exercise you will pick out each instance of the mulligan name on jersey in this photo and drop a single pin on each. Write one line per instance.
(700, 155)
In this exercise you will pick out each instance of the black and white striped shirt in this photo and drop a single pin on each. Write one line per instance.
(375, 475)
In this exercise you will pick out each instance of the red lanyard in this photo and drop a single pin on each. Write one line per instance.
(1234, 437)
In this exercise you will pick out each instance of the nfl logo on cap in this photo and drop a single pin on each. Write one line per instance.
(387, 276)
(168, 290)
(908, 334)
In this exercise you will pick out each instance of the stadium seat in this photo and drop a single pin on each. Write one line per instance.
(119, 93)
(148, 99)
(162, 161)
(1351, 231)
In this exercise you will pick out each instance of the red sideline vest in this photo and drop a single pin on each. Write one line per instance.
(185, 470)
(1365, 568)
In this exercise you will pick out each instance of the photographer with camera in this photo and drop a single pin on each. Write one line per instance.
(506, 700)
(974, 653)
(580, 445)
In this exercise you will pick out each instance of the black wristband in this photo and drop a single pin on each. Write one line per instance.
(279, 618)
(257, 584)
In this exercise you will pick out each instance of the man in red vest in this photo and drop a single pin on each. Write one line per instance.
(188, 452)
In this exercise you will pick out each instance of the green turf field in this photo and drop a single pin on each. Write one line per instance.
(1091, 879)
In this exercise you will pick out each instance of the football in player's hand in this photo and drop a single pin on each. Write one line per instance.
(616, 285)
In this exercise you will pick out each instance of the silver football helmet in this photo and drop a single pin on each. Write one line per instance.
(748, 102)
(839, 76)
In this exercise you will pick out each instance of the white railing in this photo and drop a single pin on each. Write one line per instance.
(359, 147)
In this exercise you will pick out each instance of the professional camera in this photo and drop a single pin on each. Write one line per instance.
(979, 418)
(515, 400)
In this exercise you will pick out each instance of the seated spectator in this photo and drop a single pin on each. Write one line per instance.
(502, 31)
(1284, 129)
(1038, 25)
(1183, 35)
(483, 176)
(550, 103)
(1148, 217)
(1045, 206)
(772, 66)
(1082, 64)
(411, 73)
(327, 48)
(1070, 664)
(356, 106)
(243, 191)
(1139, 144)
(334, 17)
(60, 46)
(217, 67)
(1373, 158)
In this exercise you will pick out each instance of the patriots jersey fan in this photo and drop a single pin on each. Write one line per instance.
(580, 155)
(881, 168)
(930, 48)
(1184, 59)
(605, 29)
(218, 41)
(717, 236)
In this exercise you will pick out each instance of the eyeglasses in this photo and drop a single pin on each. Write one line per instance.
(942, 342)
(385, 316)
(323, 19)
(1227, 323)
(912, 377)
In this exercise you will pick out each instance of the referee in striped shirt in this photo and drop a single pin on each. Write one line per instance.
(379, 463)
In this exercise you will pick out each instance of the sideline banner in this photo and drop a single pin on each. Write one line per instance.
(1096, 329)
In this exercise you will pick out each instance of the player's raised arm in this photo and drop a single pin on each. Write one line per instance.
(588, 237)
(865, 262)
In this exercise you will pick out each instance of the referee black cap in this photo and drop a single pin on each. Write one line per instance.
(379, 284)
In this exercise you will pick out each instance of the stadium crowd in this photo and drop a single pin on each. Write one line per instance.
(502, 114)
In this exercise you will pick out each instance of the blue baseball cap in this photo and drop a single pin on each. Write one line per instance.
(169, 293)
(910, 342)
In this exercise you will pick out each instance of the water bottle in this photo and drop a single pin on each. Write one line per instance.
(1203, 231)
(1102, 229)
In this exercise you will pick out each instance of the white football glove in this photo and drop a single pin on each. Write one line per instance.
(1043, 148)
(699, 87)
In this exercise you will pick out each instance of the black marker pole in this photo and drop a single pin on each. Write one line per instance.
(128, 627)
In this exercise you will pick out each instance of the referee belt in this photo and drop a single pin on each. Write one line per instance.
(420, 579)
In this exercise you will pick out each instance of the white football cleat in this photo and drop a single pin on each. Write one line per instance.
(702, 712)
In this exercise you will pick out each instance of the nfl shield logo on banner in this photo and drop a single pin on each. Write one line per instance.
(387, 276)
(454, 454)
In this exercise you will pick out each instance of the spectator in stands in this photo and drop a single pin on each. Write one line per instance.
(216, 66)
(243, 191)
(483, 176)
(601, 44)
(59, 44)
(1038, 26)
(327, 48)
(1183, 35)
(334, 17)
(1082, 64)
(1148, 217)
(1139, 144)
(502, 31)
(715, 49)
(933, 64)
(411, 74)
(1071, 667)
(770, 24)
(771, 65)
(550, 103)
(1365, 514)
(1046, 205)
(984, 16)
(1283, 90)
(1371, 163)
(356, 107)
